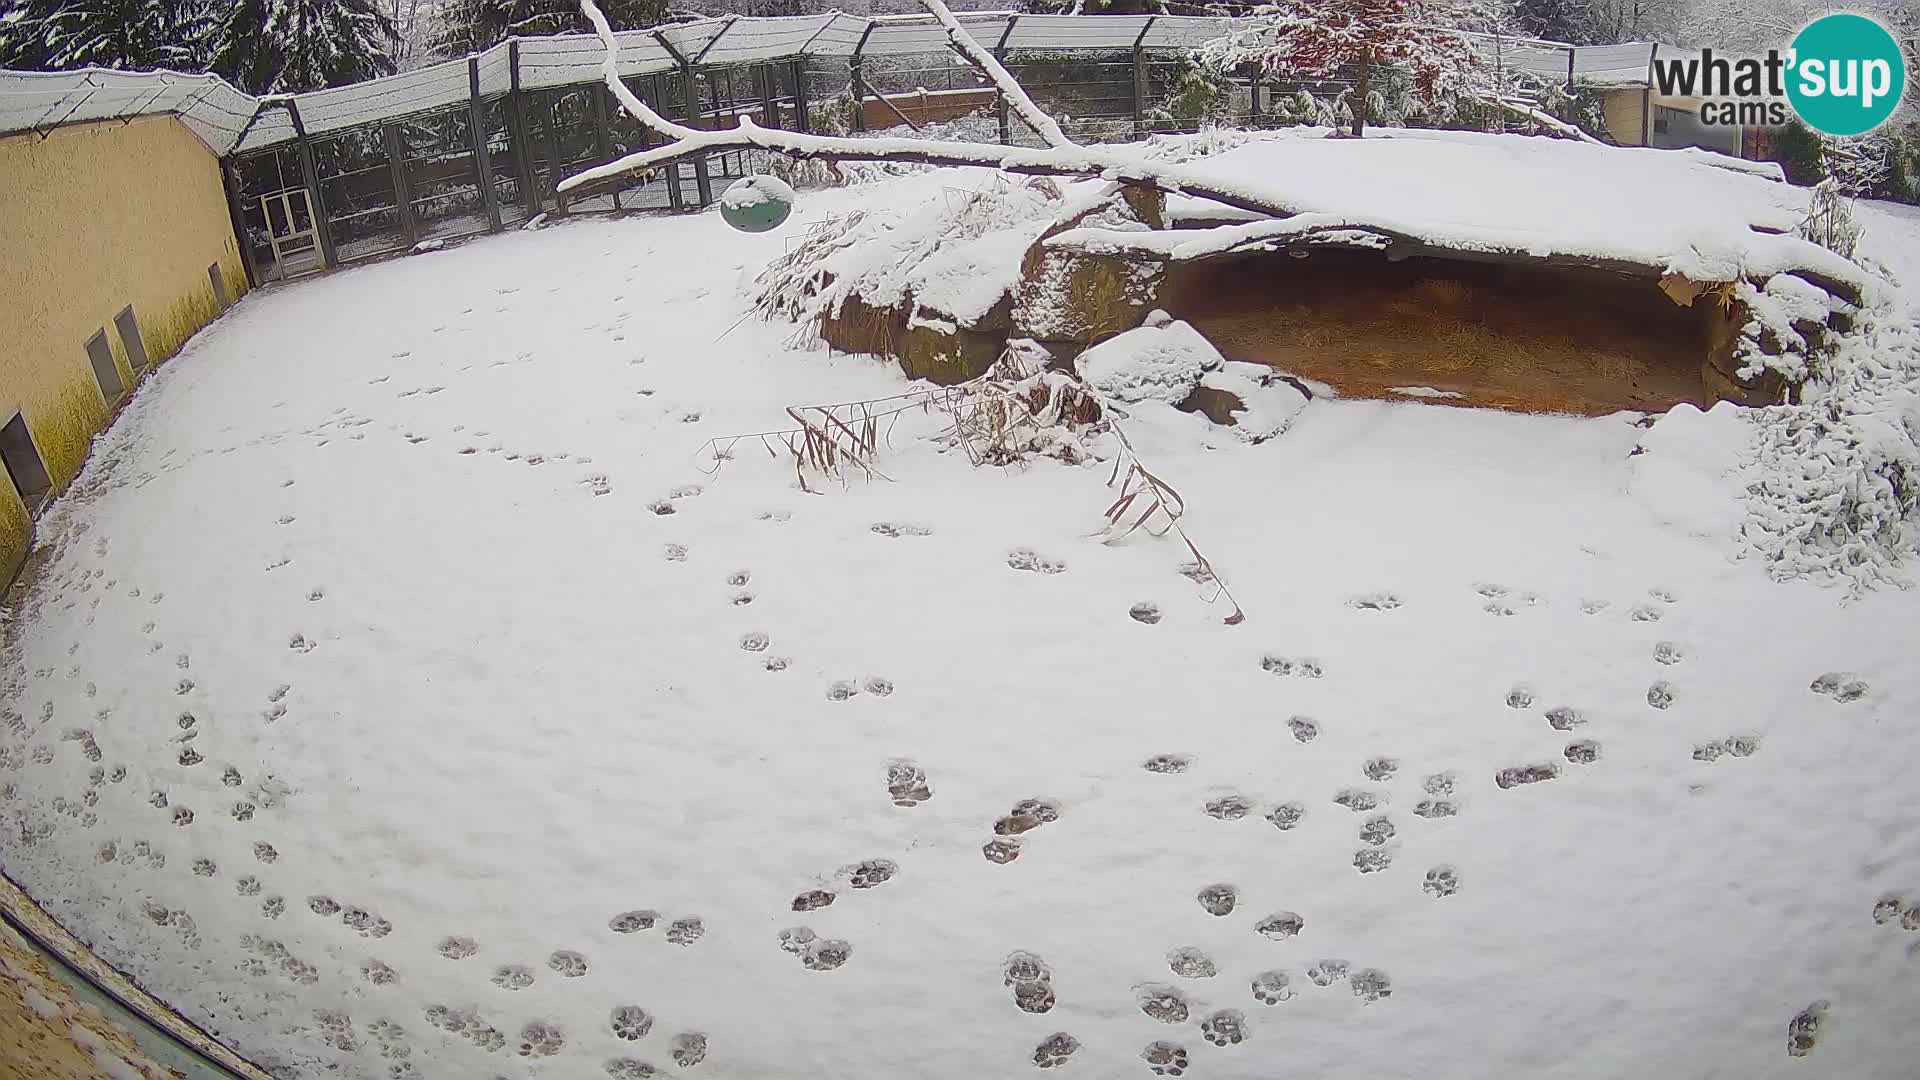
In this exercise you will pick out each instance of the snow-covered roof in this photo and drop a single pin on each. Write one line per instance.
(39, 100)
(228, 119)
(1511, 195)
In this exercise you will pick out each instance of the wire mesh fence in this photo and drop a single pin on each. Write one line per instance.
(483, 143)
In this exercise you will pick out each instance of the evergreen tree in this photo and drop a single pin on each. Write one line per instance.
(319, 43)
(134, 35)
(475, 25)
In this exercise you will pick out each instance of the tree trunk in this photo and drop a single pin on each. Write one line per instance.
(1360, 94)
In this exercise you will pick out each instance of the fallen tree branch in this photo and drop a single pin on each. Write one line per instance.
(1057, 160)
(1546, 120)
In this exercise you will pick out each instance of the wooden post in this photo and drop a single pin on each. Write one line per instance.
(800, 118)
(530, 198)
(603, 136)
(310, 176)
(1646, 101)
(482, 145)
(237, 212)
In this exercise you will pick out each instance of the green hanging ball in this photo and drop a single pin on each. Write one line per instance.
(756, 203)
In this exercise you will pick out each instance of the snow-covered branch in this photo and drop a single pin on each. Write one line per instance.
(1009, 87)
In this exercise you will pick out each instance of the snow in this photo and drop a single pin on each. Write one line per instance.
(751, 191)
(1161, 361)
(1680, 468)
(1424, 392)
(1534, 195)
(410, 575)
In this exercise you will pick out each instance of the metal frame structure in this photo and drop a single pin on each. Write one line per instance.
(480, 143)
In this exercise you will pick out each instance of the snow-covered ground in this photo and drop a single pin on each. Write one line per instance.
(400, 696)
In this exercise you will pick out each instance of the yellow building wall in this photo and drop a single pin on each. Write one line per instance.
(94, 217)
(1626, 111)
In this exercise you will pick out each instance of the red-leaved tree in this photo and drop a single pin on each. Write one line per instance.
(1308, 40)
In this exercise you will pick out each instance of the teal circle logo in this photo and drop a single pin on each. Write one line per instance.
(1846, 74)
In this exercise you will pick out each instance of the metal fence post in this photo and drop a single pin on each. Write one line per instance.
(530, 198)
(482, 145)
(999, 97)
(550, 136)
(230, 179)
(856, 68)
(603, 136)
(690, 106)
(397, 168)
(310, 175)
(1140, 82)
(801, 120)
(769, 79)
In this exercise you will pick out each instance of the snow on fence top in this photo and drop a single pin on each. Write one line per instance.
(229, 120)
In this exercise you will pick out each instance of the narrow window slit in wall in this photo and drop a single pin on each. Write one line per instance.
(105, 371)
(23, 464)
(130, 337)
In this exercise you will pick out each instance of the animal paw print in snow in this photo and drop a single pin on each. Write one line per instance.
(872, 872)
(1359, 800)
(907, 784)
(1280, 925)
(1380, 768)
(1564, 718)
(1001, 850)
(1667, 652)
(795, 939)
(1327, 972)
(826, 954)
(1026, 816)
(1304, 730)
(512, 977)
(631, 1022)
(632, 922)
(1286, 816)
(685, 931)
(841, 690)
(1168, 763)
(689, 1048)
(1305, 668)
(1144, 612)
(812, 900)
(1841, 686)
(1218, 899)
(1377, 830)
(1227, 1027)
(1803, 1031)
(1054, 1050)
(1525, 774)
(541, 1039)
(1028, 559)
(1441, 881)
(1031, 980)
(1371, 985)
(1165, 1058)
(1163, 1003)
(1229, 807)
(1380, 601)
(569, 964)
(1660, 695)
(630, 1069)
(1372, 860)
(1190, 963)
(457, 948)
(1272, 987)
(1582, 751)
(1520, 697)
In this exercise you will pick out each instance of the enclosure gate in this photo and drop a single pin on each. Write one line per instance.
(296, 248)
